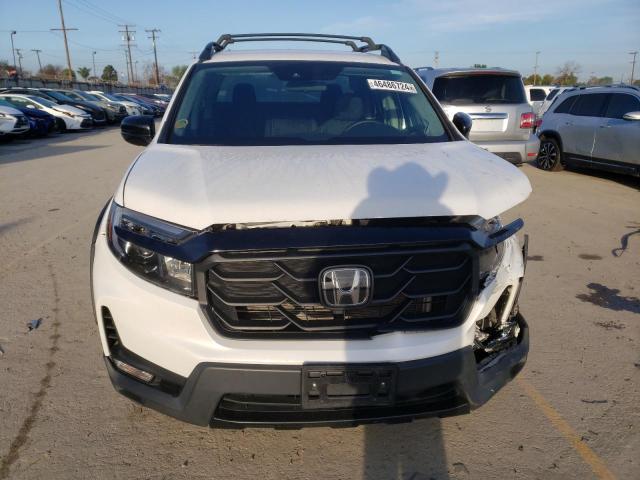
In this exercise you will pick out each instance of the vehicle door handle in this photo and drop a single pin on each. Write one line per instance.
(605, 126)
(568, 123)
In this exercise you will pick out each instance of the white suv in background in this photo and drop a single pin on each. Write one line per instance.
(595, 127)
(307, 240)
(503, 120)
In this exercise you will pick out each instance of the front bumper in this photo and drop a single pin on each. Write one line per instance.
(514, 151)
(240, 395)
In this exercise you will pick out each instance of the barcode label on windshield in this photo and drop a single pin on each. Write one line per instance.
(391, 85)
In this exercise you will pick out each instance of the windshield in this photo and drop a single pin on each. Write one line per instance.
(88, 96)
(298, 102)
(470, 89)
(59, 96)
(42, 101)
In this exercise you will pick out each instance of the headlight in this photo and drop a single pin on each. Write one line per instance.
(490, 258)
(162, 270)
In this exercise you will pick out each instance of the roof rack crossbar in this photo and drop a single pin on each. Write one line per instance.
(369, 45)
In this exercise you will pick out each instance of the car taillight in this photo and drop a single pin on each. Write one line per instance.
(538, 122)
(527, 120)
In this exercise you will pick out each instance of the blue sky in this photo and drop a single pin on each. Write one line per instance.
(597, 34)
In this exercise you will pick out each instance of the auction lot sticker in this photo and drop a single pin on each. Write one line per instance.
(391, 85)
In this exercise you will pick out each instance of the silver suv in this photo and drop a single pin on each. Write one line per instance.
(596, 127)
(503, 120)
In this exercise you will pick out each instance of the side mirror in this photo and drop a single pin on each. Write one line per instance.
(463, 123)
(632, 116)
(138, 129)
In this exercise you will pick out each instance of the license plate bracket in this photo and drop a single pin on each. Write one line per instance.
(347, 386)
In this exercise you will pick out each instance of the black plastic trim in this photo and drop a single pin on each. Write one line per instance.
(197, 248)
(203, 390)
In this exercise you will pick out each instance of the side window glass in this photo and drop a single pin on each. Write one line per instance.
(565, 106)
(589, 105)
(621, 103)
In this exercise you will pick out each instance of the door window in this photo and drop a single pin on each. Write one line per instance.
(621, 103)
(589, 105)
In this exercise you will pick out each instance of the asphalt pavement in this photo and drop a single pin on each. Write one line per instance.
(574, 411)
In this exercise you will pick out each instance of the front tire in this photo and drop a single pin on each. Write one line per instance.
(550, 155)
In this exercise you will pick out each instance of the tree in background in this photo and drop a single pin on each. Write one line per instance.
(178, 71)
(176, 74)
(593, 80)
(84, 72)
(149, 74)
(50, 71)
(109, 74)
(65, 74)
(479, 65)
(547, 79)
(568, 74)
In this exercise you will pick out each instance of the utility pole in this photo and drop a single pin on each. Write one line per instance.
(128, 38)
(436, 59)
(19, 52)
(153, 32)
(126, 59)
(13, 50)
(38, 55)
(535, 70)
(633, 65)
(136, 68)
(66, 44)
(93, 58)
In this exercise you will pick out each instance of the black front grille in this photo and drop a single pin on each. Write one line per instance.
(21, 121)
(258, 293)
(281, 409)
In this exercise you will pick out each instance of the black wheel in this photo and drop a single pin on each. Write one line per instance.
(550, 155)
(61, 126)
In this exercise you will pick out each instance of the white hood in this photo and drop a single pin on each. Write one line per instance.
(10, 110)
(197, 186)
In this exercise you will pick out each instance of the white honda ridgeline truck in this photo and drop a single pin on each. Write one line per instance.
(309, 240)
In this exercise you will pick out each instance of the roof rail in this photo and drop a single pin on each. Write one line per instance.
(365, 44)
(610, 85)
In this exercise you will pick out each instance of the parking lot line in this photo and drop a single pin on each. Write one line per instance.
(589, 456)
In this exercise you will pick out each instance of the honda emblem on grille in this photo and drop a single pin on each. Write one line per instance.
(345, 286)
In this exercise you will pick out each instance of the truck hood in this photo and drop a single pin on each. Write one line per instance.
(198, 186)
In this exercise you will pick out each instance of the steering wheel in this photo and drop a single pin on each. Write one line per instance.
(369, 123)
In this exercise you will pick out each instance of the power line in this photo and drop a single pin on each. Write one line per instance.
(66, 44)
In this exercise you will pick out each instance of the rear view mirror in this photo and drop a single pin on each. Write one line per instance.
(463, 123)
(632, 116)
(138, 129)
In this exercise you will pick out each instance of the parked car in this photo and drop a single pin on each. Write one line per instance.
(67, 117)
(12, 122)
(148, 107)
(503, 120)
(156, 99)
(98, 114)
(40, 123)
(595, 127)
(131, 107)
(551, 97)
(536, 94)
(114, 112)
(308, 239)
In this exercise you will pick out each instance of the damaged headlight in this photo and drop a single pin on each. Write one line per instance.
(167, 272)
(490, 258)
